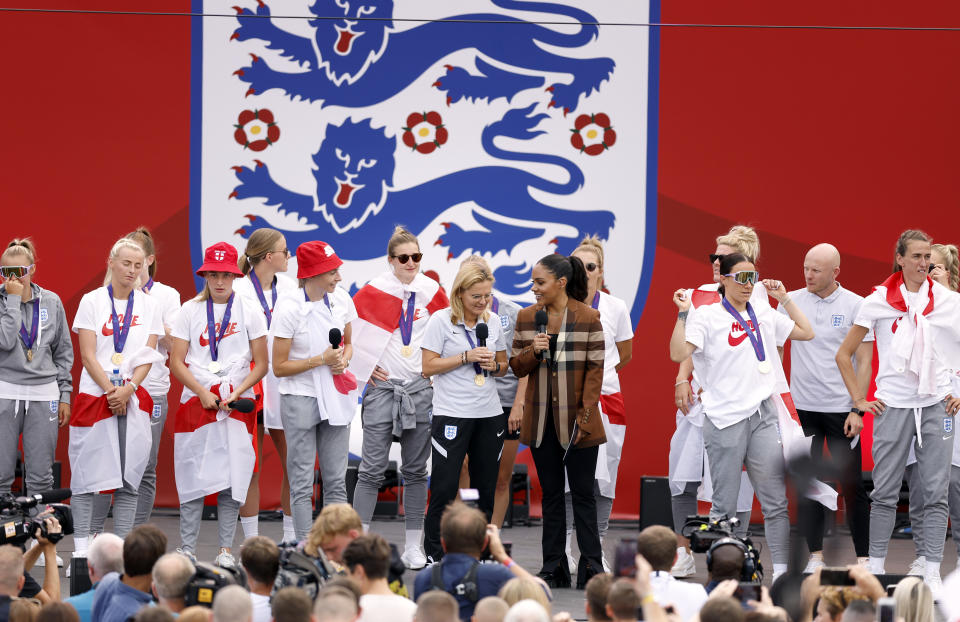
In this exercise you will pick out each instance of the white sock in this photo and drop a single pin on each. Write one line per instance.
(817, 555)
(251, 526)
(922, 559)
(80, 547)
(366, 527)
(569, 538)
(877, 564)
(289, 533)
(413, 538)
(779, 569)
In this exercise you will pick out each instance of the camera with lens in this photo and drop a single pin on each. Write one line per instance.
(207, 580)
(20, 520)
(706, 535)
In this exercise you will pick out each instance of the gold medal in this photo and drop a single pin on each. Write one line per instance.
(214, 367)
(117, 358)
(406, 351)
(479, 380)
(29, 355)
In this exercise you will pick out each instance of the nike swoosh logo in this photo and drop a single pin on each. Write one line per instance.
(54, 418)
(735, 341)
(500, 433)
(944, 438)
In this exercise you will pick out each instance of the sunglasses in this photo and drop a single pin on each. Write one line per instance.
(416, 257)
(590, 266)
(15, 272)
(285, 251)
(744, 277)
(715, 257)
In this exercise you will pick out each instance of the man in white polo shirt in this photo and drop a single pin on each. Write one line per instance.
(822, 401)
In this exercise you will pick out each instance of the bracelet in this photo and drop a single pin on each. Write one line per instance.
(497, 370)
(134, 385)
(786, 301)
(463, 357)
(681, 382)
(509, 562)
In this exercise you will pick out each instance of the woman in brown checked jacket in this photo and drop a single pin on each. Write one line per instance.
(561, 403)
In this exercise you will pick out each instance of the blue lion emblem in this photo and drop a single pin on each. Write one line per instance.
(355, 200)
(345, 63)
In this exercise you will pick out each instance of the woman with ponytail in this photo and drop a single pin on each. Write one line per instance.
(558, 345)
(264, 264)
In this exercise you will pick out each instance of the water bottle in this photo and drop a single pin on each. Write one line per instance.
(115, 378)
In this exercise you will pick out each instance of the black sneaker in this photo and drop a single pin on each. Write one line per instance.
(555, 579)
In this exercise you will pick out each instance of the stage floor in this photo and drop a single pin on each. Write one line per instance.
(526, 550)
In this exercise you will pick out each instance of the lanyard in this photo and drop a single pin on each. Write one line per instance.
(31, 338)
(756, 340)
(148, 286)
(120, 334)
(214, 335)
(476, 366)
(596, 300)
(267, 310)
(326, 299)
(495, 305)
(406, 319)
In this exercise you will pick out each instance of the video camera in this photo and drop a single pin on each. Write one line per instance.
(207, 580)
(706, 535)
(19, 521)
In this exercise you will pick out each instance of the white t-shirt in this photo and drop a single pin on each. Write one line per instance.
(289, 323)
(407, 368)
(95, 313)
(380, 607)
(726, 364)
(617, 327)
(455, 393)
(168, 299)
(895, 388)
(246, 323)
(687, 598)
(815, 381)
(261, 607)
(243, 286)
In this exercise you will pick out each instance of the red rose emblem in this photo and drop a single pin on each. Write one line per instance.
(424, 131)
(256, 130)
(593, 134)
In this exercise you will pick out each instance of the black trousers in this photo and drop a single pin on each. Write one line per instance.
(452, 439)
(581, 469)
(845, 461)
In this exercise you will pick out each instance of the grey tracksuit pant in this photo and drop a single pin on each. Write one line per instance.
(893, 433)
(191, 513)
(916, 507)
(308, 438)
(124, 499)
(38, 422)
(754, 443)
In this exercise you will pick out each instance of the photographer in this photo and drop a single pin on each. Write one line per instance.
(51, 576)
(119, 597)
(171, 575)
(464, 535)
(104, 556)
(726, 564)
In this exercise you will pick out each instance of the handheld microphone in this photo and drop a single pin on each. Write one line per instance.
(242, 405)
(50, 496)
(335, 337)
(483, 331)
(540, 319)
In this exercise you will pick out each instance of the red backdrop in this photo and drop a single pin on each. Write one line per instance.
(808, 135)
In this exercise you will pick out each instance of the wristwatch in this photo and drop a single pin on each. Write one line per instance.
(856, 411)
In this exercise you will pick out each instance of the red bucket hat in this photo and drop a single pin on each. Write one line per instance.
(221, 257)
(315, 258)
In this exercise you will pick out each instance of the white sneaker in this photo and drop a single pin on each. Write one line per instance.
(864, 562)
(686, 566)
(606, 566)
(188, 555)
(816, 561)
(225, 559)
(917, 567)
(571, 563)
(413, 558)
(932, 578)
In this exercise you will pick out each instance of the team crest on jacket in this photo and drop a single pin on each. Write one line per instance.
(505, 128)
(947, 425)
(449, 432)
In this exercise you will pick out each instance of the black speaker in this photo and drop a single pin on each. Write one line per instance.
(655, 506)
(79, 576)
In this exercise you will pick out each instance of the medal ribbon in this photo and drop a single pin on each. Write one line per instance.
(213, 335)
(476, 366)
(326, 299)
(755, 340)
(495, 305)
(148, 286)
(120, 334)
(596, 300)
(267, 309)
(31, 338)
(406, 320)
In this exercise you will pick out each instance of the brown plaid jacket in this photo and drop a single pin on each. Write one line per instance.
(576, 376)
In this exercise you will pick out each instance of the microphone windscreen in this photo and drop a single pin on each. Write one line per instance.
(335, 337)
(55, 496)
(243, 405)
(540, 319)
(483, 331)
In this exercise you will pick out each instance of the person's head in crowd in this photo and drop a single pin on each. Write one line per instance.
(171, 574)
(336, 527)
(336, 603)
(154, 614)
(595, 597)
(490, 609)
(437, 606)
(260, 558)
(722, 609)
(142, 547)
(726, 562)
(821, 267)
(623, 600)
(57, 611)
(914, 600)
(11, 570)
(517, 589)
(23, 610)
(741, 239)
(345, 583)
(947, 258)
(104, 556)
(859, 611)
(367, 560)
(463, 530)
(291, 604)
(833, 600)
(232, 604)
(658, 545)
(527, 611)
(196, 613)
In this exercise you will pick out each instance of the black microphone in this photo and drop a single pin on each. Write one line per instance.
(51, 496)
(242, 405)
(540, 319)
(483, 331)
(335, 338)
